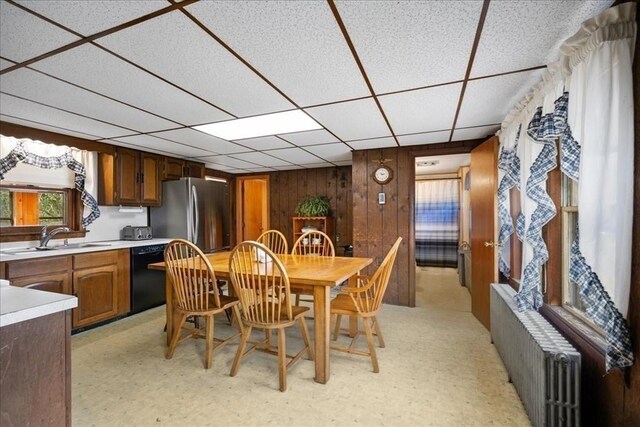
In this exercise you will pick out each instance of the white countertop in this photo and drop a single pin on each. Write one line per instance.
(20, 304)
(107, 246)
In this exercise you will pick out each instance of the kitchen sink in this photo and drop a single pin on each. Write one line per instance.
(26, 251)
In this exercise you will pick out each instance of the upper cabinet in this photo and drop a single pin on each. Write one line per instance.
(178, 168)
(129, 177)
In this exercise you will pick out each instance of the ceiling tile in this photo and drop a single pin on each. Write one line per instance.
(351, 120)
(24, 36)
(522, 34)
(38, 87)
(318, 165)
(311, 137)
(138, 147)
(95, 69)
(487, 101)
(5, 64)
(331, 152)
(36, 125)
(264, 143)
(226, 161)
(175, 48)
(201, 140)
(31, 111)
(295, 155)
(296, 45)
(224, 168)
(422, 110)
(449, 163)
(90, 17)
(151, 143)
(344, 163)
(475, 132)
(404, 45)
(254, 170)
(287, 168)
(424, 138)
(365, 144)
(260, 159)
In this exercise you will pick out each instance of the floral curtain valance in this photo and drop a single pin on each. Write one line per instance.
(21, 154)
(583, 108)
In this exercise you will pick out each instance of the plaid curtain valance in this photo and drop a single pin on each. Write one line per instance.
(20, 154)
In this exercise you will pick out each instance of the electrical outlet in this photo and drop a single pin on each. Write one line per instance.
(337, 238)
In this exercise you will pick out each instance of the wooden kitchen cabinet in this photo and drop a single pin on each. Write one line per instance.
(100, 280)
(129, 177)
(102, 284)
(178, 168)
(52, 274)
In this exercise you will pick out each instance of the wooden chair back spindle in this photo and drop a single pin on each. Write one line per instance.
(275, 241)
(305, 244)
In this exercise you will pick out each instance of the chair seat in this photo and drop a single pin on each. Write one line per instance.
(282, 320)
(343, 304)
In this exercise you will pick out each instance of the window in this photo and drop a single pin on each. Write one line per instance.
(571, 299)
(25, 209)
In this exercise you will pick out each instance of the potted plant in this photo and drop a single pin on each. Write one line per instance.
(313, 206)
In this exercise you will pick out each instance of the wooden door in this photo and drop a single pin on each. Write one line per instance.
(484, 263)
(127, 176)
(97, 292)
(254, 208)
(150, 185)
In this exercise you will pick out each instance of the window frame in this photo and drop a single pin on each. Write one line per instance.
(73, 214)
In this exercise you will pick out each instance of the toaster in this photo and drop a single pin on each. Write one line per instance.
(136, 233)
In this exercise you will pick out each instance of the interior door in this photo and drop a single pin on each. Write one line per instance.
(254, 208)
(484, 261)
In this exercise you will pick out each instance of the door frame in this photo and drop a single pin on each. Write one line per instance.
(240, 203)
(460, 147)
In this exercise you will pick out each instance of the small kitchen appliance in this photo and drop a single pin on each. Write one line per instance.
(136, 233)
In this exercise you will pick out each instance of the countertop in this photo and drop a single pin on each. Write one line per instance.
(106, 246)
(20, 304)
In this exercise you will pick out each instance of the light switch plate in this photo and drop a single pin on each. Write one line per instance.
(381, 199)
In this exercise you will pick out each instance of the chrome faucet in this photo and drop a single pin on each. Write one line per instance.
(45, 237)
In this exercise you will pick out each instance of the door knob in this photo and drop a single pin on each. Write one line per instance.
(492, 244)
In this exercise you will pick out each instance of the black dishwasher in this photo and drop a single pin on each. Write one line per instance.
(147, 286)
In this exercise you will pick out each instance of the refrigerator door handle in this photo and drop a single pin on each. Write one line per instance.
(189, 216)
(196, 222)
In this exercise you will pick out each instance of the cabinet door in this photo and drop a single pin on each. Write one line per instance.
(194, 170)
(173, 168)
(97, 292)
(127, 176)
(57, 282)
(151, 188)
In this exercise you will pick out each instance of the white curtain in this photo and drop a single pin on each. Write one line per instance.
(601, 120)
(586, 102)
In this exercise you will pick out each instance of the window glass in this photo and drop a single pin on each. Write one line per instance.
(21, 207)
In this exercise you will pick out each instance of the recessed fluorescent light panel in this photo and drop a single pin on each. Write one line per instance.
(269, 124)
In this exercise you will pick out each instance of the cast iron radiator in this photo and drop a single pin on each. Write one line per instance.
(543, 367)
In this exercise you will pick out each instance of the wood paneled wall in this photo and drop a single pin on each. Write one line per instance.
(288, 188)
(376, 227)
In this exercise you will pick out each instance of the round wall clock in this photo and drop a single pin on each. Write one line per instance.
(382, 175)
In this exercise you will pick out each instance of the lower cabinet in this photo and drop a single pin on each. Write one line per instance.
(100, 280)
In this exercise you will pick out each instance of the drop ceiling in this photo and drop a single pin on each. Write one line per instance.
(373, 74)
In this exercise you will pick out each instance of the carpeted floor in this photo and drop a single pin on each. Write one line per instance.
(438, 369)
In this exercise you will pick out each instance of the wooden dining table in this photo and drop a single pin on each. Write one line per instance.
(315, 275)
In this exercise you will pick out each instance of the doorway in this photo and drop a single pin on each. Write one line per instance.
(441, 229)
(252, 201)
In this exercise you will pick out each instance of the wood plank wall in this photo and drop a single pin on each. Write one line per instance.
(376, 227)
(288, 188)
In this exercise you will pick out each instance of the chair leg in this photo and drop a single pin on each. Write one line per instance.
(176, 336)
(246, 333)
(305, 337)
(298, 299)
(336, 330)
(372, 346)
(208, 355)
(376, 325)
(237, 318)
(267, 336)
(282, 360)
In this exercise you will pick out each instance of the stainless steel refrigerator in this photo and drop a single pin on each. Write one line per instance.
(196, 210)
